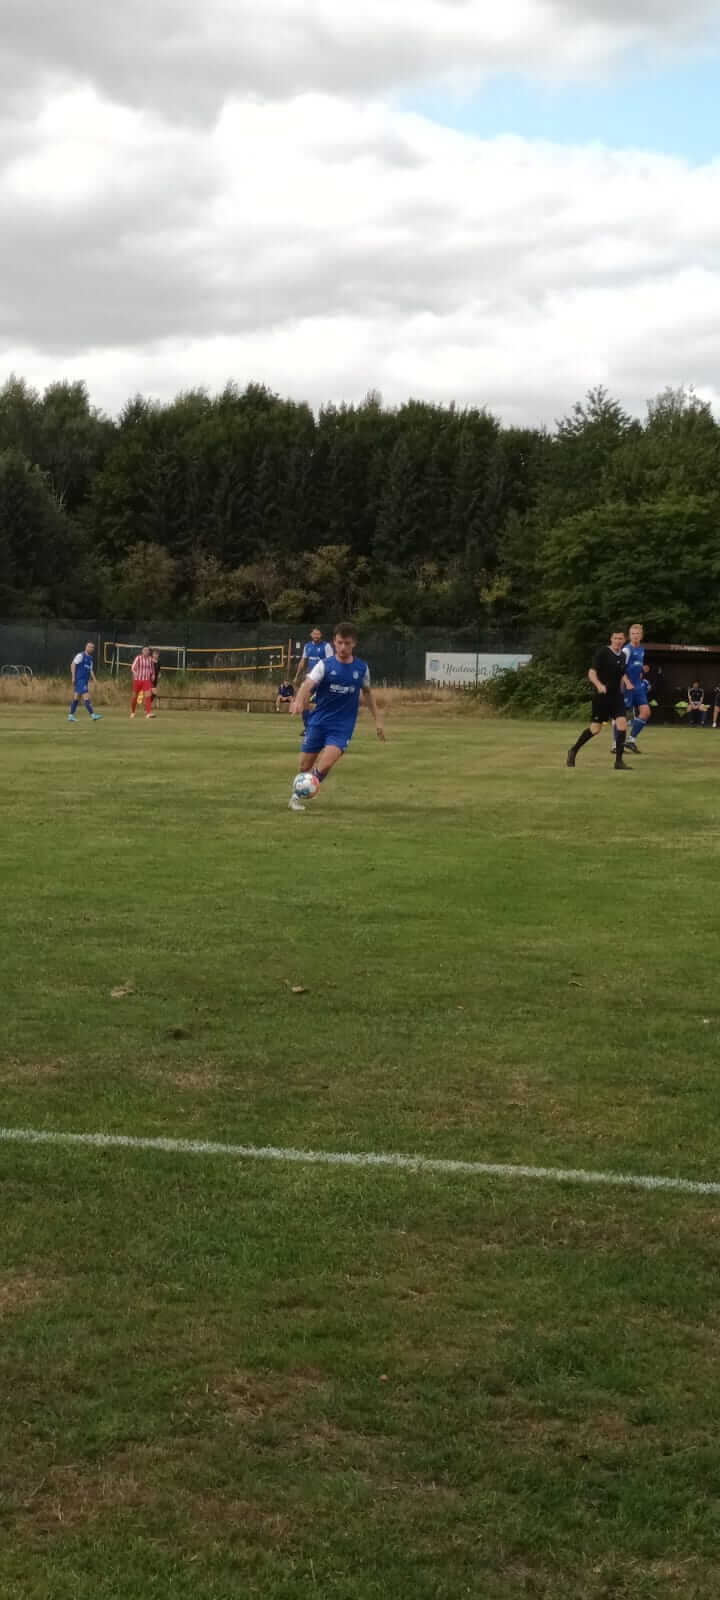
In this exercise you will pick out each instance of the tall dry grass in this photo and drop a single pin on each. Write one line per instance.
(207, 693)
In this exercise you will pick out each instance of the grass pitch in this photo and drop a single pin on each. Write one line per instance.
(225, 1378)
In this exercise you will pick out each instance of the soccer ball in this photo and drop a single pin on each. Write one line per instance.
(305, 785)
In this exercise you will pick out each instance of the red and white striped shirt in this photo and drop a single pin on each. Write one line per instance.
(142, 669)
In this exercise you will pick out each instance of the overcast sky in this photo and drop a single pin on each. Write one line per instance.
(497, 204)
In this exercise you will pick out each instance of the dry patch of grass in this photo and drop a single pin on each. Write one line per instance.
(247, 1395)
(615, 1579)
(206, 1080)
(28, 1072)
(73, 1497)
(70, 1496)
(20, 1290)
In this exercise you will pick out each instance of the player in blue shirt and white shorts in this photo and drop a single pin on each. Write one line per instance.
(336, 682)
(637, 705)
(82, 672)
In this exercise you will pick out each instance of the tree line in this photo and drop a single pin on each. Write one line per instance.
(246, 506)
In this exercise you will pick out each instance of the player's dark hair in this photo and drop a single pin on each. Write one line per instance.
(616, 629)
(344, 630)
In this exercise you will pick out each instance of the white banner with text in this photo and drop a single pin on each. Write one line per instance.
(458, 667)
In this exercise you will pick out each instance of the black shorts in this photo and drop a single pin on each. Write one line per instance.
(605, 707)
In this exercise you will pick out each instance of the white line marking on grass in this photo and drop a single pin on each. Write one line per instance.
(351, 1158)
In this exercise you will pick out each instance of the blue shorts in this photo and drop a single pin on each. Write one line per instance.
(81, 685)
(316, 738)
(636, 697)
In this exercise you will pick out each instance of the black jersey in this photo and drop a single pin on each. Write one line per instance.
(610, 669)
(696, 695)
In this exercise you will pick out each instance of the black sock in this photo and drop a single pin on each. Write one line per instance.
(584, 736)
(619, 747)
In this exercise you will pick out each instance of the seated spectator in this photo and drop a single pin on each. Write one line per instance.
(285, 694)
(696, 704)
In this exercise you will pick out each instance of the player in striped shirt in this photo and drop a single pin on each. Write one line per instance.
(142, 681)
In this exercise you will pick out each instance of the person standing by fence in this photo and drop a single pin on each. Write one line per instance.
(142, 681)
(315, 649)
(154, 692)
(82, 672)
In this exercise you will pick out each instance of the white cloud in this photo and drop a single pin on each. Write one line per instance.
(327, 243)
(414, 258)
(186, 58)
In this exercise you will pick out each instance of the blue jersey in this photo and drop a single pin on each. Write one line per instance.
(312, 653)
(338, 685)
(82, 667)
(634, 661)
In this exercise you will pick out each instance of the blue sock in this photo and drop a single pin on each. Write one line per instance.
(636, 727)
(74, 705)
(88, 708)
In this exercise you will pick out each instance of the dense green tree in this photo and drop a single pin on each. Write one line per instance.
(590, 580)
(145, 583)
(246, 507)
(37, 541)
(578, 468)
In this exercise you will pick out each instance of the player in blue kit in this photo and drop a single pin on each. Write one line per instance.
(636, 697)
(315, 649)
(337, 682)
(82, 672)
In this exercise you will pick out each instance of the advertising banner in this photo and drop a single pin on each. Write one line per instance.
(456, 667)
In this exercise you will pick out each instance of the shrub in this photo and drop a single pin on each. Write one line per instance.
(540, 689)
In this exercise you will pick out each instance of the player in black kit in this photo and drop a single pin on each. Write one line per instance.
(607, 676)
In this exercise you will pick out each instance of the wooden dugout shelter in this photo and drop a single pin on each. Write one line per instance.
(679, 665)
